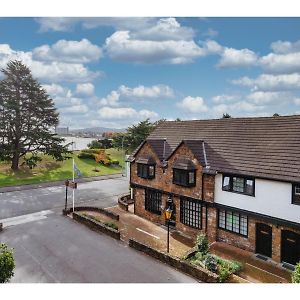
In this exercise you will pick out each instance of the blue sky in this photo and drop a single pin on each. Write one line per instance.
(114, 72)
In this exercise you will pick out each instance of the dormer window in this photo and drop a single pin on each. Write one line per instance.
(184, 173)
(296, 194)
(146, 167)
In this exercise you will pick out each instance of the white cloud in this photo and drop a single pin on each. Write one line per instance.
(139, 92)
(68, 51)
(283, 47)
(75, 109)
(281, 63)
(126, 112)
(165, 29)
(67, 23)
(261, 97)
(269, 82)
(237, 109)
(112, 99)
(52, 71)
(122, 47)
(55, 90)
(224, 98)
(85, 89)
(193, 105)
(235, 58)
(297, 101)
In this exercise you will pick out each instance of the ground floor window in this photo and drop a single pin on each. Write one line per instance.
(153, 201)
(190, 212)
(233, 221)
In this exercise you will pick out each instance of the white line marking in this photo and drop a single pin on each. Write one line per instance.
(26, 218)
(265, 271)
(141, 230)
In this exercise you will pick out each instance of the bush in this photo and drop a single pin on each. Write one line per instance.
(224, 273)
(210, 263)
(111, 225)
(84, 155)
(93, 151)
(202, 243)
(232, 266)
(296, 274)
(7, 263)
(115, 162)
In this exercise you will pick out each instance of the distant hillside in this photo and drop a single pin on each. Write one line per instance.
(97, 130)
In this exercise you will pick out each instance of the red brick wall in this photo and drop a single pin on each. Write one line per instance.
(249, 243)
(164, 181)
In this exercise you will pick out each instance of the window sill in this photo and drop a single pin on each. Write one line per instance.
(236, 233)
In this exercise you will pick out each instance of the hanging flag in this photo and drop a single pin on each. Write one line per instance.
(76, 169)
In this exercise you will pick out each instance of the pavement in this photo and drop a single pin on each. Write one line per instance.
(23, 187)
(49, 247)
(254, 270)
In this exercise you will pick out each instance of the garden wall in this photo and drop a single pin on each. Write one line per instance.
(91, 208)
(182, 265)
(124, 201)
(97, 226)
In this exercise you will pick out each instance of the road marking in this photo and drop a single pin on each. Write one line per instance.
(141, 230)
(265, 271)
(26, 218)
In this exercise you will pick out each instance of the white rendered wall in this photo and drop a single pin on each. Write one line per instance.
(272, 198)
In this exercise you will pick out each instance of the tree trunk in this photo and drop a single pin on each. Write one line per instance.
(15, 162)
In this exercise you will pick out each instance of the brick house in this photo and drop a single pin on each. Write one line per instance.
(237, 180)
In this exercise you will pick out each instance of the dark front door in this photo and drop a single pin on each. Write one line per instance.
(290, 247)
(264, 239)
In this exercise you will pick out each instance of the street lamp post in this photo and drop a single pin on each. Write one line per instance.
(66, 202)
(168, 214)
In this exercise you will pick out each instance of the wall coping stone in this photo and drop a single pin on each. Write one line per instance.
(93, 208)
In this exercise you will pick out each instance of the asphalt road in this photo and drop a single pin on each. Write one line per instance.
(49, 247)
(57, 249)
(101, 193)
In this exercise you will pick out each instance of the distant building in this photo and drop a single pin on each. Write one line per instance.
(62, 130)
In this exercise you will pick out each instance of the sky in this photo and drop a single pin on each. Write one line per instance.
(115, 72)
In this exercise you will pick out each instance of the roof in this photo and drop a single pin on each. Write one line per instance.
(184, 164)
(267, 147)
(148, 160)
(157, 146)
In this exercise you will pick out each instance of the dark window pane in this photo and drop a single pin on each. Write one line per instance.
(190, 212)
(238, 184)
(229, 220)
(153, 201)
(222, 219)
(226, 183)
(249, 187)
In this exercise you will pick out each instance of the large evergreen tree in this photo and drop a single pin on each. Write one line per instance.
(27, 115)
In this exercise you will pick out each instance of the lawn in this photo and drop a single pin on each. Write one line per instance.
(50, 170)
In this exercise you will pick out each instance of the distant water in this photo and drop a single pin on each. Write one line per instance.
(79, 142)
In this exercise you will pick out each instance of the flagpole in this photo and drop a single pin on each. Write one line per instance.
(73, 177)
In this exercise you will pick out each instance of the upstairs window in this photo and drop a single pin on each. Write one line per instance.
(184, 172)
(146, 171)
(239, 184)
(146, 167)
(296, 194)
(184, 177)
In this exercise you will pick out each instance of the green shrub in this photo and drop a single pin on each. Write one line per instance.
(115, 162)
(7, 263)
(84, 155)
(223, 273)
(111, 225)
(210, 263)
(93, 151)
(296, 274)
(232, 266)
(202, 243)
